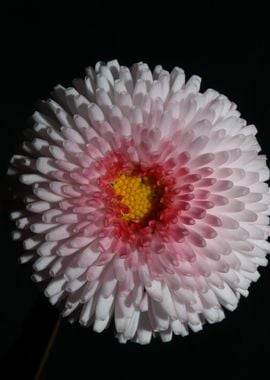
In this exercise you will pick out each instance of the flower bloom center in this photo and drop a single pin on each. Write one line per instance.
(137, 193)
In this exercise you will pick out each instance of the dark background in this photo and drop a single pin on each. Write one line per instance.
(42, 46)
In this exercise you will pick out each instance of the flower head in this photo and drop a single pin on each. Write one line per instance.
(146, 202)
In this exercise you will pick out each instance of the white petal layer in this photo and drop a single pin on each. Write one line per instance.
(210, 251)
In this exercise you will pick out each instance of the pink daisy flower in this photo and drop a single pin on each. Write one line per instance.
(145, 203)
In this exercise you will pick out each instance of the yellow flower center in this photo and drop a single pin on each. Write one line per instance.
(137, 193)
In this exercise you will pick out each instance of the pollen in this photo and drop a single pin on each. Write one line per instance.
(137, 193)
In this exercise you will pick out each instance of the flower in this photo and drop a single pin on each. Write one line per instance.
(145, 202)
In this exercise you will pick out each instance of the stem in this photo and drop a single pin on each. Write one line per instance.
(48, 349)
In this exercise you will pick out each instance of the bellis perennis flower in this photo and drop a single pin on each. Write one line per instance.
(145, 202)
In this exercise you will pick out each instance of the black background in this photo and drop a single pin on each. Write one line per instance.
(44, 45)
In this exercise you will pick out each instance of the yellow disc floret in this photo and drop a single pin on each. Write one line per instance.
(136, 193)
